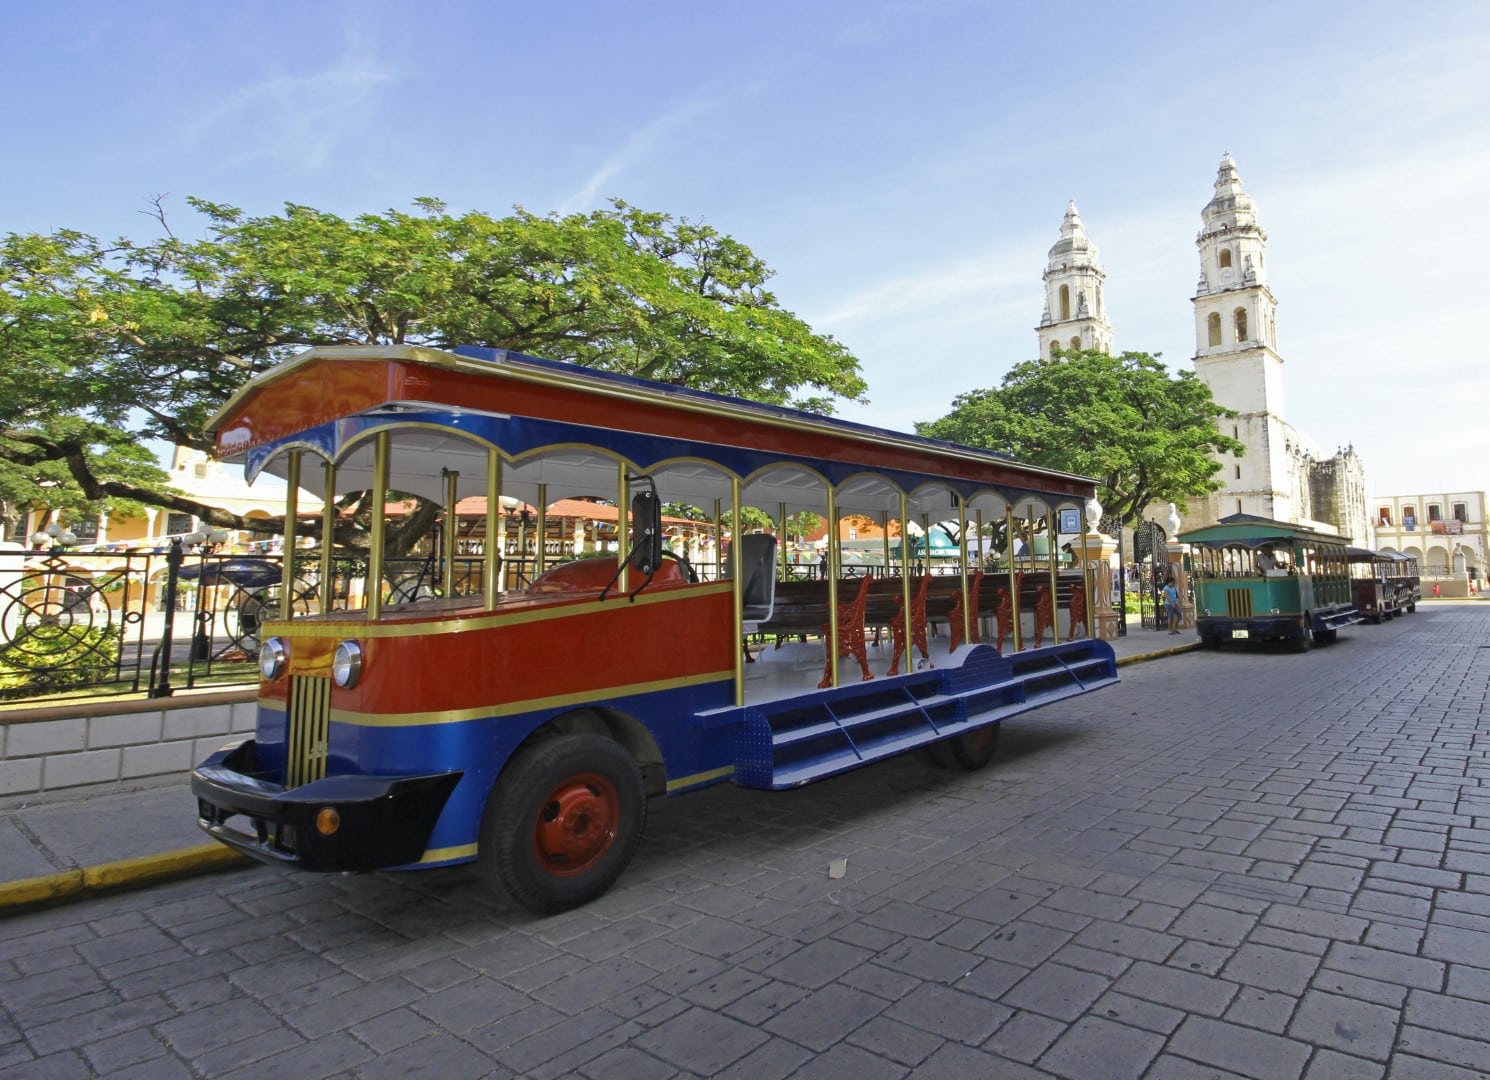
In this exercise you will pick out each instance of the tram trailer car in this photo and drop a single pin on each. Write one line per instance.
(1258, 580)
(523, 725)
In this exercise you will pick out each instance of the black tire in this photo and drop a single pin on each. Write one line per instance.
(1303, 641)
(1327, 637)
(562, 822)
(972, 750)
(940, 754)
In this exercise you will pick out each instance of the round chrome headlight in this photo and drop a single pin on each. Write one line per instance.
(346, 665)
(274, 657)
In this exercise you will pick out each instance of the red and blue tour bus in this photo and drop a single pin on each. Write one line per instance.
(522, 723)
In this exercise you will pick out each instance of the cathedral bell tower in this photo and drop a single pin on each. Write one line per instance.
(1236, 356)
(1074, 316)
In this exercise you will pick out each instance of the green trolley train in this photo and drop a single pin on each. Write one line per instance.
(1258, 580)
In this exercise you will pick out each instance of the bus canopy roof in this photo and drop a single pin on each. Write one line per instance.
(1249, 530)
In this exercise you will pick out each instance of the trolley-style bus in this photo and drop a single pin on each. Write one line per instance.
(1259, 580)
(523, 724)
(1385, 583)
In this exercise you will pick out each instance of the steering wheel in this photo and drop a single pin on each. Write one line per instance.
(689, 573)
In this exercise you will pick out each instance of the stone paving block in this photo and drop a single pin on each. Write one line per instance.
(928, 960)
(761, 1004)
(114, 1053)
(700, 1041)
(437, 1054)
(1385, 966)
(208, 1028)
(1333, 1065)
(1466, 1018)
(560, 1051)
(1262, 1009)
(1271, 968)
(1241, 1050)
(626, 1063)
(1358, 1028)
(1135, 1012)
(1057, 991)
(1025, 1037)
(1096, 1047)
(1023, 942)
(825, 1016)
(890, 1039)
(950, 1014)
(1444, 1049)
(817, 964)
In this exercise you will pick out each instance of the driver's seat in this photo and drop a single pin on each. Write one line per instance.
(757, 579)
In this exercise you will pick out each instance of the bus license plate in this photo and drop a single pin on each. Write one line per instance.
(1239, 633)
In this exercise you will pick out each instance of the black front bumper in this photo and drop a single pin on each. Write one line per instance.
(385, 820)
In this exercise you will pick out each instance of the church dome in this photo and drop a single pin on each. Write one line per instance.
(1230, 207)
(1073, 248)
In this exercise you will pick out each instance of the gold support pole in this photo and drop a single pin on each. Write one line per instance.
(885, 538)
(492, 562)
(905, 576)
(1013, 577)
(1088, 580)
(540, 553)
(1052, 549)
(737, 587)
(781, 540)
(447, 547)
(967, 623)
(719, 571)
(623, 530)
(292, 536)
(833, 561)
(379, 499)
(328, 532)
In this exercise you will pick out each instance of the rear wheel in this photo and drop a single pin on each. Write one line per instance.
(1303, 641)
(974, 749)
(562, 822)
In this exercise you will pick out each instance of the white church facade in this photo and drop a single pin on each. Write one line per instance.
(1283, 475)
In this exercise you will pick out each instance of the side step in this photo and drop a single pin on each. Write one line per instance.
(786, 743)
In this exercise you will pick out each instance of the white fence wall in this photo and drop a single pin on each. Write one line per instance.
(101, 742)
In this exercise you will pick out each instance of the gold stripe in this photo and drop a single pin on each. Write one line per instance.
(457, 716)
(444, 854)
(354, 627)
(699, 778)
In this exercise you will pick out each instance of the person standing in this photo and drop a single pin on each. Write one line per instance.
(1172, 606)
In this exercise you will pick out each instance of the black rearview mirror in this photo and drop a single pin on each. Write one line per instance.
(646, 532)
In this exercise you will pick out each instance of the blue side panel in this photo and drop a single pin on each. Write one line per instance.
(480, 748)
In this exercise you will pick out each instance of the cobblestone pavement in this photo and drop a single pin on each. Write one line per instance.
(1231, 864)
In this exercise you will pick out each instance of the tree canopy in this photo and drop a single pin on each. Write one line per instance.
(1145, 435)
(104, 345)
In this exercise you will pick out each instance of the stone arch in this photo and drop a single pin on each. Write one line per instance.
(1213, 329)
(1239, 320)
(1065, 302)
(1224, 259)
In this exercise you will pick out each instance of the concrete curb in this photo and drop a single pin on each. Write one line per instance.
(76, 884)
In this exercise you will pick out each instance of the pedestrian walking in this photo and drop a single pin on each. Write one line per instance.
(1172, 606)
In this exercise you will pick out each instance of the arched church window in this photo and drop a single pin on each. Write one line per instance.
(1065, 302)
(1225, 260)
(1075, 343)
(1055, 347)
(1213, 329)
(1240, 317)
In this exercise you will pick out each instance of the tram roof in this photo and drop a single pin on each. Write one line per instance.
(1250, 530)
(307, 401)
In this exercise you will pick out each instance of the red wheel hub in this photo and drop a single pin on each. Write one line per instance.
(576, 824)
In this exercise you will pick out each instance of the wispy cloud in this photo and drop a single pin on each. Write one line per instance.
(297, 117)
(648, 143)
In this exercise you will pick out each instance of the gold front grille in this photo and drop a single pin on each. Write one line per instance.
(309, 730)
(1239, 603)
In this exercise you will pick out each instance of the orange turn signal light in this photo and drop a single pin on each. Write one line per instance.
(327, 821)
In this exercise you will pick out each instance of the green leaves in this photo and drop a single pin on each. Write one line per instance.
(1144, 435)
(148, 339)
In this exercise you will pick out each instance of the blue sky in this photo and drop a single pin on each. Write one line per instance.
(903, 167)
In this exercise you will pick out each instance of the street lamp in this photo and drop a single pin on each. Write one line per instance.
(54, 536)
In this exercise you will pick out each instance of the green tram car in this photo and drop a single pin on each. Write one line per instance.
(1262, 580)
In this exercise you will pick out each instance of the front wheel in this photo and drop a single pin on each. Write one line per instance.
(562, 822)
(972, 750)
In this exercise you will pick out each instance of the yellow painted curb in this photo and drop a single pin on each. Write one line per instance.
(1174, 650)
(111, 876)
